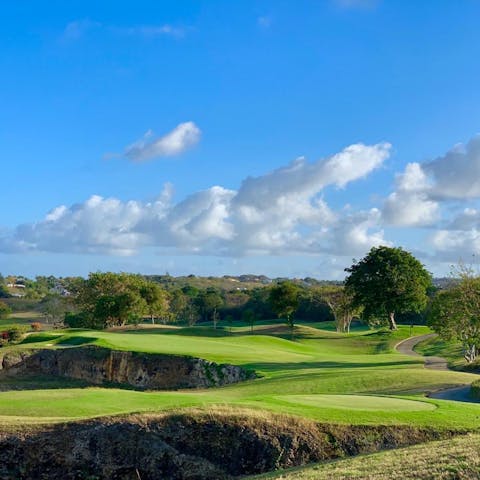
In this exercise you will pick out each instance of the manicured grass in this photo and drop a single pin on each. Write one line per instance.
(322, 375)
(448, 459)
(452, 351)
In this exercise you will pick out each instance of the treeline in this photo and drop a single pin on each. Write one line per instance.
(109, 299)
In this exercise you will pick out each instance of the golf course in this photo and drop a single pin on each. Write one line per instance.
(357, 378)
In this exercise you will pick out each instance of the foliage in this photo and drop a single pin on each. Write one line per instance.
(36, 326)
(5, 310)
(388, 281)
(284, 300)
(249, 317)
(81, 320)
(156, 300)
(455, 314)
(208, 303)
(475, 389)
(53, 307)
(13, 334)
(340, 301)
(112, 299)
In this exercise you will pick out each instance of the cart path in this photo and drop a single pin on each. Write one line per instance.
(459, 394)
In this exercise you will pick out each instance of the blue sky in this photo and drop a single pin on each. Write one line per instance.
(215, 137)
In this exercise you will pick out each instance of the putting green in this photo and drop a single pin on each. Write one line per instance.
(358, 402)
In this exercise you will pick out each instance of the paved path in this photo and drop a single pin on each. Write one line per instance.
(460, 394)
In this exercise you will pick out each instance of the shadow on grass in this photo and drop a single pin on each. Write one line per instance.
(40, 382)
(39, 337)
(186, 332)
(75, 341)
(275, 367)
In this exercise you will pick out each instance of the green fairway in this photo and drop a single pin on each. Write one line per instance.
(358, 402)
(322, 375)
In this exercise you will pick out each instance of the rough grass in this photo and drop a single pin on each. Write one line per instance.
(456, 458)
(322, 375)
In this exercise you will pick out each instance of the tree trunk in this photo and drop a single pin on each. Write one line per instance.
(470, 353)
(391, 321)
(153, 319)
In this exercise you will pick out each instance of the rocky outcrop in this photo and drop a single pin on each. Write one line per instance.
(139, 370)
(194, 446)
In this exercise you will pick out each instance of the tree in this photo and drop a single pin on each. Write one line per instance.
(388, 281)
(5, 310)
(284, 300)
(53, 308)
(209, 302)
(455, 314)
(111, 299)
(156, 300)
(249, 317)
(341, 304)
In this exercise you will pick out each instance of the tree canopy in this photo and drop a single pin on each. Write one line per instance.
(284, 300)
(388, 281)
(455, 314)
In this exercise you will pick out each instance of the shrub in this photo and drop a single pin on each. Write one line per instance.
(80, 320)
(12, 335)
(475, 389)
(5, 310)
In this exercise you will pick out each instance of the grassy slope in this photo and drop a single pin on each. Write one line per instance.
(449, 459)
(312, 376)
(452, 351)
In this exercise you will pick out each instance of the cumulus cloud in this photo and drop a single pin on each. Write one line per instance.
(456, 245)
(280, 212)
(410, 204)
(456, 175)
(182, 137)
(422, 189)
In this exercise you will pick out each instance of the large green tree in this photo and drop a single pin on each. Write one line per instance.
(208, 303)
(110, 299)
(156, 300)
(455, 314)
(388, 281)
(284, 300)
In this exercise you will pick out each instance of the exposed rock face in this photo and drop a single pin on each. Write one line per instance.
(195, 446)
(140, 370)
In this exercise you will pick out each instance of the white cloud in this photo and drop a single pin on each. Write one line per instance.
(456, 245)
(410, 205)
(281, 212)
(423, 188)
(182, 137)
(357, 233)
(456, 175)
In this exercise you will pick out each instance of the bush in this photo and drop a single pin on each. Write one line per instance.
(475, 389)
(80, 320)
(13, 335)
(5, 310)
